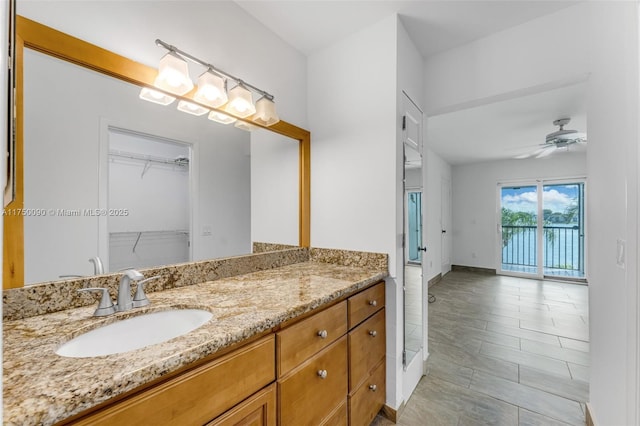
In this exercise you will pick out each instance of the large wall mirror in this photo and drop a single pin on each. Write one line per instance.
(103, 174)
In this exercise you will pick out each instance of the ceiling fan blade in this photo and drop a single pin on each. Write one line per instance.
(530, 154)
(546, 151)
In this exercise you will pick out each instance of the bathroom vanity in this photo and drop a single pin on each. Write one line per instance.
(300, 343)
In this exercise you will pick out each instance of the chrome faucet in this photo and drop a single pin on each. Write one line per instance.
(124, 289)
(98, 269)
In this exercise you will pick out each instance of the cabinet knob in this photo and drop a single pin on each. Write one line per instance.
(322, 374)
(373, 388)
(373, 302)
(322, 334)
(373, 333)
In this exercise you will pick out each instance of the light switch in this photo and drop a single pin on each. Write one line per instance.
(207, 230)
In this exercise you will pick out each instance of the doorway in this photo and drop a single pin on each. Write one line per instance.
(542, 229)
(414, 231)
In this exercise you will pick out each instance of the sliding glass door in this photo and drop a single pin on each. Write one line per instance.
(542, 229)
(563, 236)
(519, 206)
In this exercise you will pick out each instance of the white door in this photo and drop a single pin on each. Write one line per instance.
(445, 222)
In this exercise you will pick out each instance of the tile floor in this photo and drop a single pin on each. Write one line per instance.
(503, 351)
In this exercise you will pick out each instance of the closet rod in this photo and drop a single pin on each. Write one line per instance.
(179, 160)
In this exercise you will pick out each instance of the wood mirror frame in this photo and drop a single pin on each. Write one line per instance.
(33, 35)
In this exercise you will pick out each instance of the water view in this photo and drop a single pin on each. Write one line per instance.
(561, 234)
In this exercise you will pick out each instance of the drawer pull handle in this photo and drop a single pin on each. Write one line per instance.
(373, 333)
(322, 374)
(322, 334)
(373, 387)
(373, 302)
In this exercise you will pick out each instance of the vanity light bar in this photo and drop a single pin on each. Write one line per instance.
(173, 77)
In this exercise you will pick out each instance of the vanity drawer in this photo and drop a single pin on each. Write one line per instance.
(367, 401)
(365, 303)
(305, 338)
(305, 397)
(196, 396)
(366, 348)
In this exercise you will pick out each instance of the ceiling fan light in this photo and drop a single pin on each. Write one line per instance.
(173, 75)
(191, 108)
(266, 112)
(240, 102)
(211, 90)
(221, 117)
(155, 96)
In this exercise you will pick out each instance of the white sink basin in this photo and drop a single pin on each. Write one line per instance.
(134, 333)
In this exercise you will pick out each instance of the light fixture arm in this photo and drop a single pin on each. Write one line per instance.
(210, 67)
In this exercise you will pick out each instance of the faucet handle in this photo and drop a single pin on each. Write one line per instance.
(106, 306)
(140, 298)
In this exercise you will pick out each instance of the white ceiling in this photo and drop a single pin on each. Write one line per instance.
(499, 130)
(434, 26)
(506, 129)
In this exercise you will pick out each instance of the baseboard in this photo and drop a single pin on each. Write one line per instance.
(392, 414)
(461, 268)
(590, 419)
(435, 280)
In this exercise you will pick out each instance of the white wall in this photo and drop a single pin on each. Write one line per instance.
(474, 201)
(612, 162)
(208, 30)
(357, 163)
(517, 61)
(354, 164)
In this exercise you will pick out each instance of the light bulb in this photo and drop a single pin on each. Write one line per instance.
(221, 117)
(266, 112)
(191, 108)
(155, 96)
(240, 102)
(245, 126)
(211, 90)
(173, 75)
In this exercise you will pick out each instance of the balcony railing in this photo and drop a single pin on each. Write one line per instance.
(563, 247)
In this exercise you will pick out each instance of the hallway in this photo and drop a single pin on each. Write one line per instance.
(503, 351)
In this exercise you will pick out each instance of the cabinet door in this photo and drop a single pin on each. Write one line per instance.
(257, 410)
(339, 417)
(366, 348)
(367, 401)
(312, 391)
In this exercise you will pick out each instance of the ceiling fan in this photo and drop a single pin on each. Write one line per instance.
(560, 139)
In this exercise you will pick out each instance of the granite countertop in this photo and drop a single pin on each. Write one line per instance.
(42, 388)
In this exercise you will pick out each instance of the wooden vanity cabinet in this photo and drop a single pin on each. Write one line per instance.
(348, 343)
(197, 396)
(327, 369)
